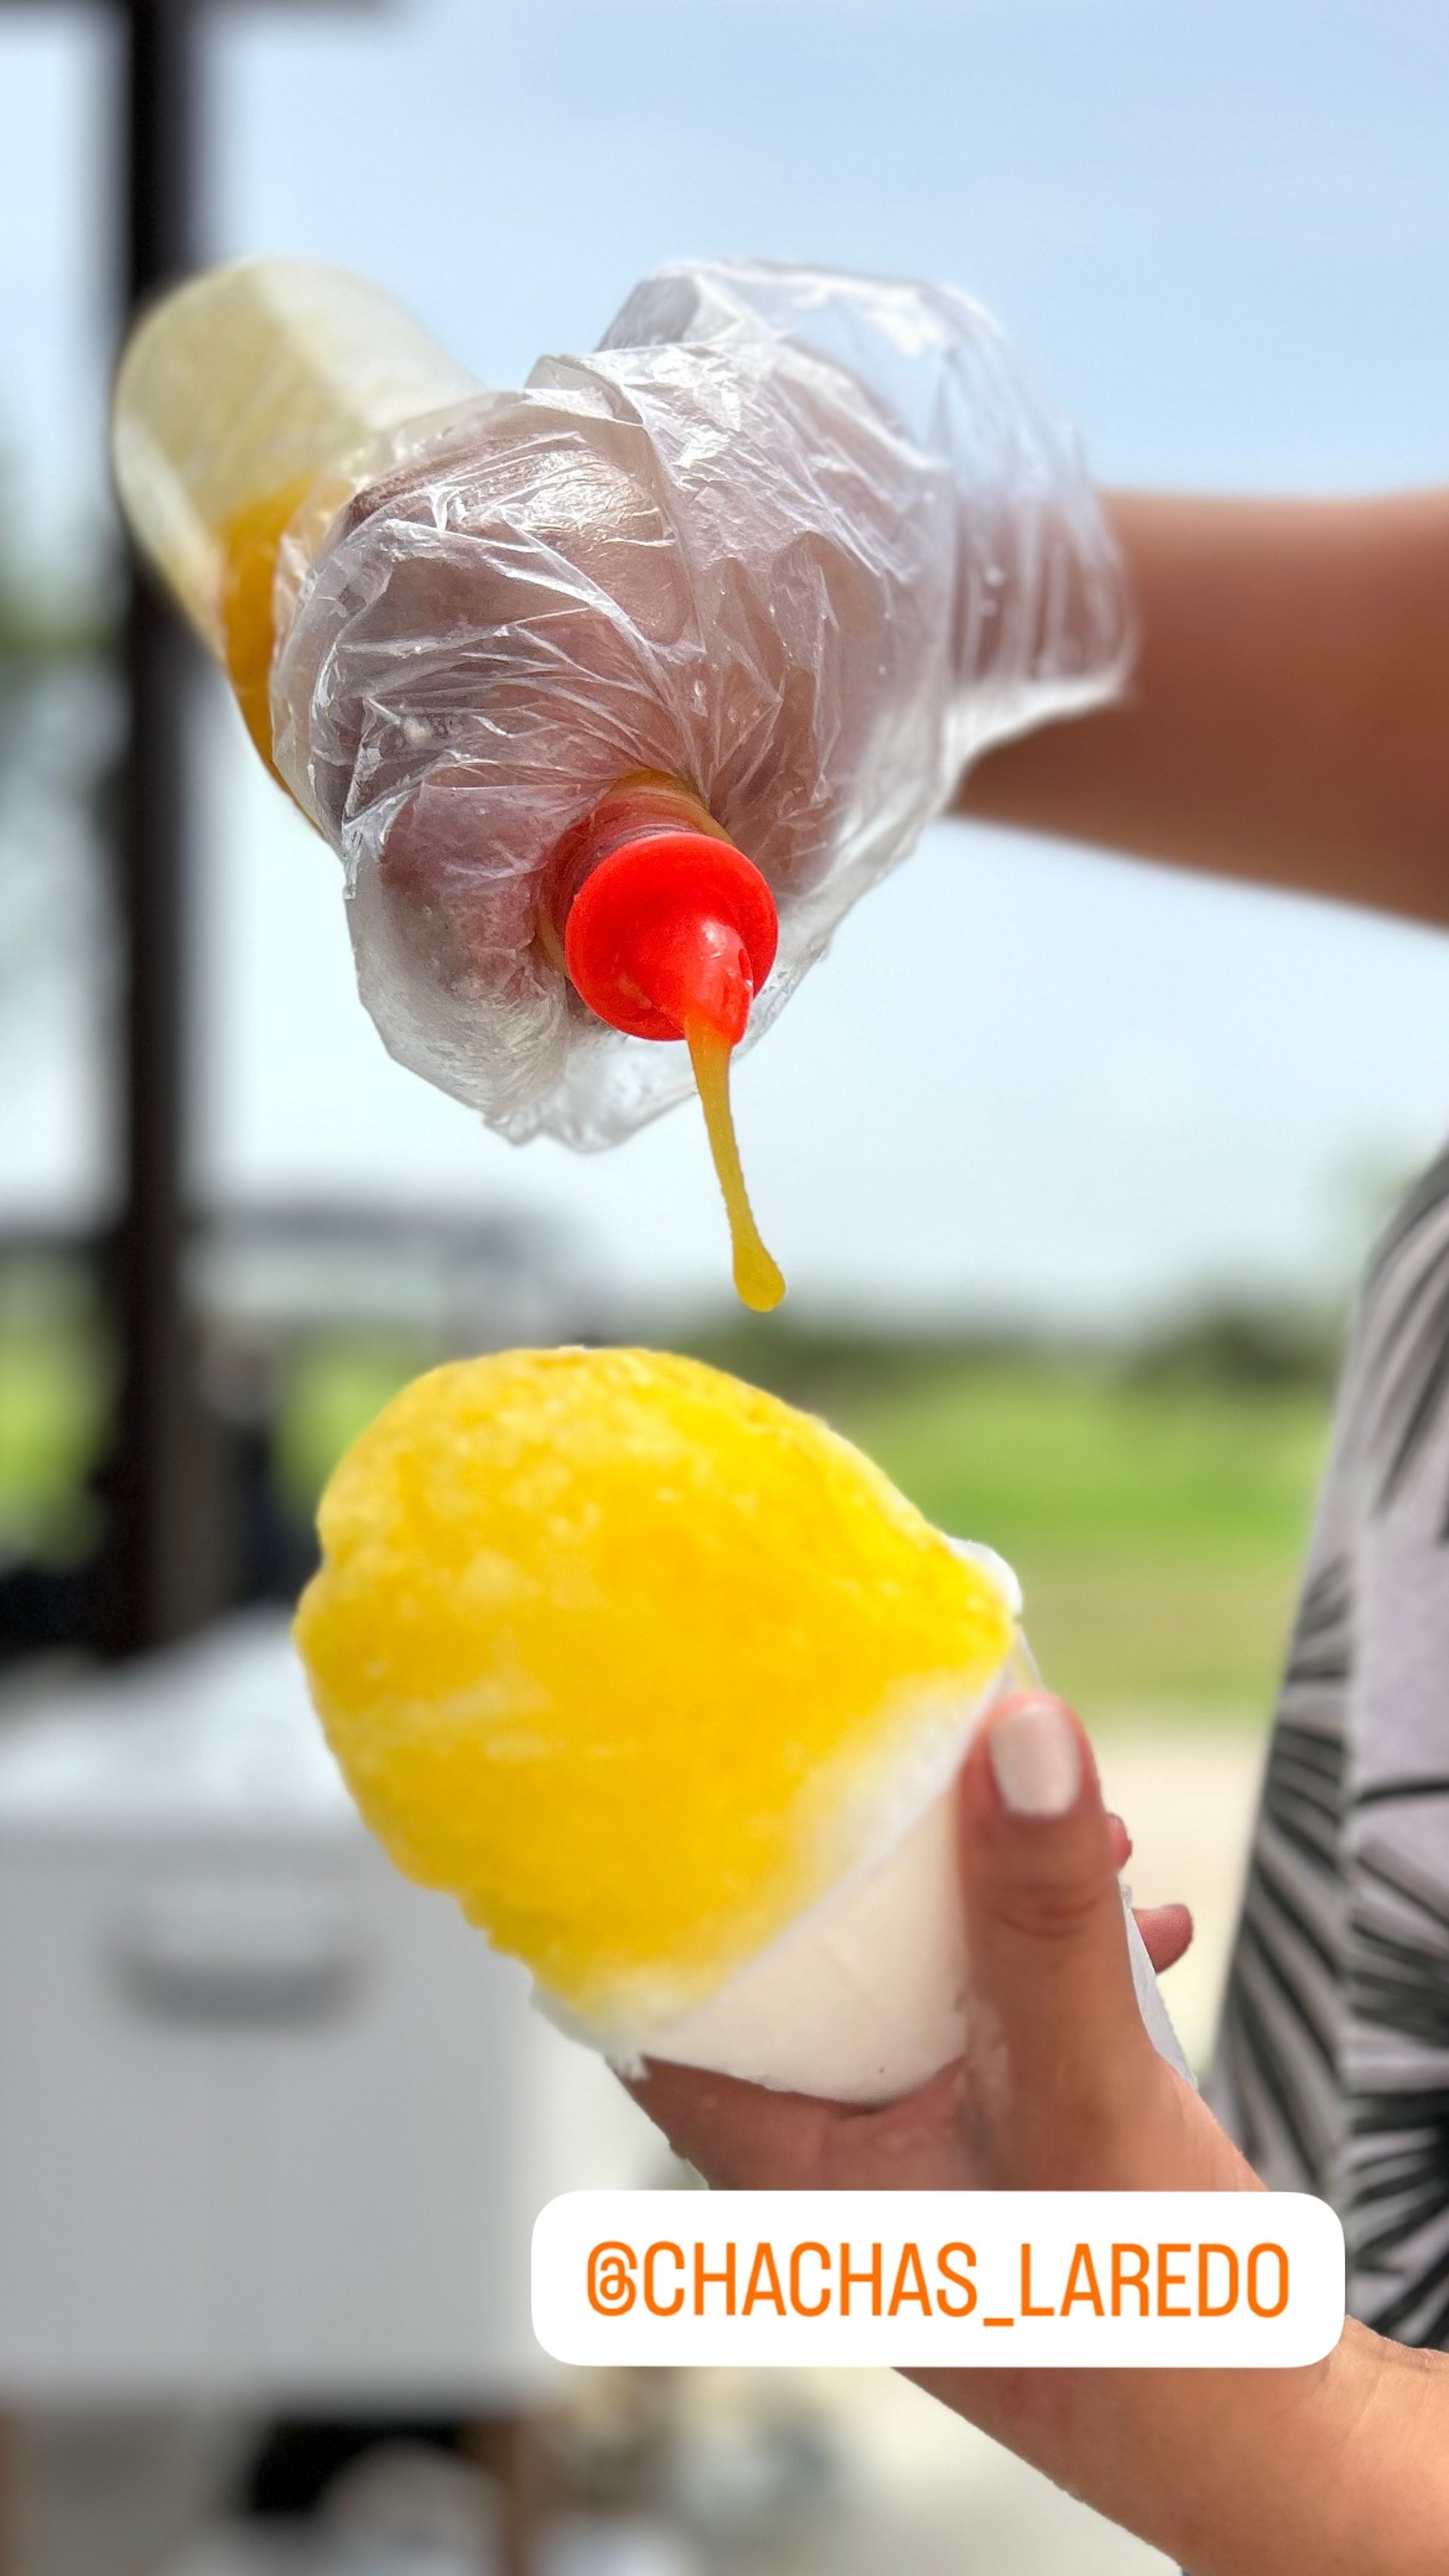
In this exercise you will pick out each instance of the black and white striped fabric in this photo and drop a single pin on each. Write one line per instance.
(1333, 2063)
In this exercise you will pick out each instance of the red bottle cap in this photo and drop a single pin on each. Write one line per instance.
(669, 928)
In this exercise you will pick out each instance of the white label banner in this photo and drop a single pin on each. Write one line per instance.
(1170, 2280)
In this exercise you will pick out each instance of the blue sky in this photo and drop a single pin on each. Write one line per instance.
(1026, 1077)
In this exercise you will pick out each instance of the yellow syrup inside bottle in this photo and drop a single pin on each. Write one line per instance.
(759, 1280)
(243, 394)
(249, 544)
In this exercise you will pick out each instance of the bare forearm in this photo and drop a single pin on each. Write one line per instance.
(1325, 2472)
(1289, 718)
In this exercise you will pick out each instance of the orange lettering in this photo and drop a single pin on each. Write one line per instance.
(871, 2275)
(958, 2281)
(1027, 2309)
(1170, 2281)
(704, 2280)
(1082, 2284)
(1255, 2303)
(662, 2307)
(910, 2290)
(1135, 2279)
(758, 2290)
(800, 2305)
(1206, 2306)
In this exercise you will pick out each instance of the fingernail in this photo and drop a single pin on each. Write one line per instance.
(1036, 1758)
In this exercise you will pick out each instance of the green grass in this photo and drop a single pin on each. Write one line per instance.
(52, 1414)
(332, 1392)
(1158, 1529)
(1157, 1521)
(1061, 1457)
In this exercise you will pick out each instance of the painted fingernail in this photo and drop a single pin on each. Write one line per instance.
(1036, 1758)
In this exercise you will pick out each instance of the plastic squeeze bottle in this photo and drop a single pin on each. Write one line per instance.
(614, 693)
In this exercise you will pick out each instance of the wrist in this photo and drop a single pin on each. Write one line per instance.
(1327, 2471)
(1265, 2489)
(1319, 2472)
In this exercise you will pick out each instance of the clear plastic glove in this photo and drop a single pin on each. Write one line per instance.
(806, 542)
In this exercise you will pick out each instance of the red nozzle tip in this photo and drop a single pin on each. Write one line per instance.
(671, 928)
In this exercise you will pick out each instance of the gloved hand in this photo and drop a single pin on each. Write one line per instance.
(804, 541)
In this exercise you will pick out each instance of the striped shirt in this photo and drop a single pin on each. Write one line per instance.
(1333, 2061)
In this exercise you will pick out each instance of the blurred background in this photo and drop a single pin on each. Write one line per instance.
(1070, 1164)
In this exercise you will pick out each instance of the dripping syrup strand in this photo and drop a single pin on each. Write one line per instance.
(759, 1281)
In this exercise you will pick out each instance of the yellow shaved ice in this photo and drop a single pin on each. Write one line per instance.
(625, 1655)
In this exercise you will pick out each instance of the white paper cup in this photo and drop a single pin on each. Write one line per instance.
(860, 2000)
(864, 1998)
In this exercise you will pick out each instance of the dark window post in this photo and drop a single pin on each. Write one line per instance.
(167, 1567)
(170, 1553)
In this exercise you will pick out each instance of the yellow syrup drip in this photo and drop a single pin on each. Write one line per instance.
(759, 1280)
